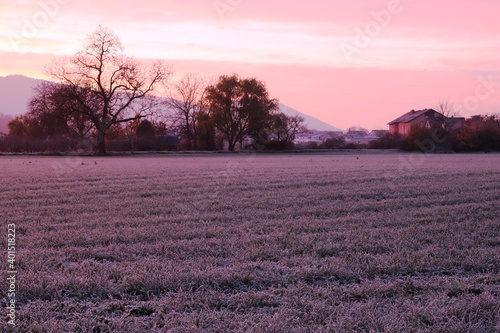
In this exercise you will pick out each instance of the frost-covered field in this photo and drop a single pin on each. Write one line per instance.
(272, 243)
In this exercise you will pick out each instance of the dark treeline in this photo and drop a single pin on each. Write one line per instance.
(104, 100)
(479, 133)
(233, 113)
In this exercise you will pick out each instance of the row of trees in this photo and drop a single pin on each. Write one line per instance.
(102, 94)
(232, 110)
(481, 133)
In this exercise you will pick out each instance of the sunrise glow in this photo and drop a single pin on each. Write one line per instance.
(345, 63)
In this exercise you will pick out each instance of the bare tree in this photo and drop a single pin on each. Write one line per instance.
(284, 128)
(120, 87)
(57, 114)
(447, 109)
(185, 104)
(357, 129)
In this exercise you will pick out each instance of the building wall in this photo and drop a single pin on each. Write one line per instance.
(404, 128)
(306, 138)
(393, 128)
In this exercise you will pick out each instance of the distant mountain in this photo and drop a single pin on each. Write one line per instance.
(16, 91)
(4, 121)
(309, 121)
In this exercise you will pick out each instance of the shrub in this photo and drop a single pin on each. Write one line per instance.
(145, 129)
(484, 135)
(426, 140)
(388, 141)
(120, 145)
(312, 145)
(333, 143)
(277, 145)
(18, 144)
(465, 139)
(351, 145)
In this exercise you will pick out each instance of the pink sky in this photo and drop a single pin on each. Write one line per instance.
(357, 63)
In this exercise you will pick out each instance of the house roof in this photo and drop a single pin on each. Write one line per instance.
(379, 132)
(409, 116)
(455, 123)
(434, 122)
(358, 133)
(455, 120)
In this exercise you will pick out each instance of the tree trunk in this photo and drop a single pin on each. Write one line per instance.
(101, 143)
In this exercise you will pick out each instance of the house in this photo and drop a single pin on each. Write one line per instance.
(455, 123)
(378, 133)
(357, 133)
(333, 134)
(428, 118)
(354, 138)
(475, 122)
(363, 138)
(309, 137)
(373, 135)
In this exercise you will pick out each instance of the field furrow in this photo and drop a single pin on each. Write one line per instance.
(255, 243)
